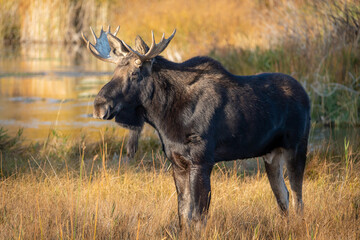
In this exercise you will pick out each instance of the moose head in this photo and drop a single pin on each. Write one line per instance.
(122, 96)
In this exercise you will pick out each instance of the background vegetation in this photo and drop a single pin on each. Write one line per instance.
(317, 42)
(74, 188)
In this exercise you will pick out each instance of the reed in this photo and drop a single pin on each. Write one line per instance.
(202, 25)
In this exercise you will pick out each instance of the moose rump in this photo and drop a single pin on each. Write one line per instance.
(254, 118)
(203, 114)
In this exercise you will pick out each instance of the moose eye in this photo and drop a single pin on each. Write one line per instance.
(138, 62)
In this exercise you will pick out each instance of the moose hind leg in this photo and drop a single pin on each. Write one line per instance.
(296, 167)
(274, 169)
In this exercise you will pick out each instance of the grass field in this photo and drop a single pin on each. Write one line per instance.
(74, 189)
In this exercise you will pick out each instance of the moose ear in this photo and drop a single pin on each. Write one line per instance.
(141, 46)
(117, 47)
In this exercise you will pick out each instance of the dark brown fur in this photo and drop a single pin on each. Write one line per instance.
(203, 114)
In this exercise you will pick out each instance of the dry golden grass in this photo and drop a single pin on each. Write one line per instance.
(141, 204)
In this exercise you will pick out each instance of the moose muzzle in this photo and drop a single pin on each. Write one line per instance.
(105, 109)
(102, 108)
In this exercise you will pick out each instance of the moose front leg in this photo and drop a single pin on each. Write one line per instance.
(181, 172)
(200, 192)
(192, 183)
(133, 142)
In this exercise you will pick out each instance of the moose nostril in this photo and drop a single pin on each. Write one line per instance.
(106, 113)
(101, 112)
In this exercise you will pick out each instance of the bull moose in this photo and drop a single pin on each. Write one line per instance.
(203, 114)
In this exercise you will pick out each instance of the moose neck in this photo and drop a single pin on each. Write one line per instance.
(168, 98)
(175, 89)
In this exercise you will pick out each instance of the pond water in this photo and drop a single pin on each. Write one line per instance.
(44, 87)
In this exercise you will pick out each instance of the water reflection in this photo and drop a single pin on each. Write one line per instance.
(45, 58)
(44, 87)
(53, 86)
(325, 137)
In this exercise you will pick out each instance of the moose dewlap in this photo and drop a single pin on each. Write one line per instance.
(203, 114)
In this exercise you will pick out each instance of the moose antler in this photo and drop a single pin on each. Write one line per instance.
(102, 48)
(155, 49)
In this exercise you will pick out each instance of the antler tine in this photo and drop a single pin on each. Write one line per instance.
(84, 38)
(101, 49)
(141, 57)
(87, 43)
(162, 37)
(155, 49)
(116, 30)
(94, 51)
(93, 33)
(153, 42)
